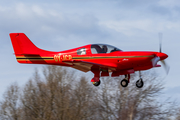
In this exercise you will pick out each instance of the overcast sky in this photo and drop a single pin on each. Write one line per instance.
(64, 24)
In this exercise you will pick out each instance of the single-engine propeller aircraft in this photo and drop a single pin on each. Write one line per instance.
(101, 59)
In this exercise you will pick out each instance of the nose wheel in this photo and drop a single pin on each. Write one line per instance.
(139, 83)
(124, 83)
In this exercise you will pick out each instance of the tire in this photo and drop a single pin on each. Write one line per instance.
(124, 83)
(96, 83)
(139, 83)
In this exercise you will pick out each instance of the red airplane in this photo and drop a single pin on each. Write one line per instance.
(101, 59)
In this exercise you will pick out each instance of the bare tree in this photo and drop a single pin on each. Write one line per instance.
(9, 105)
(47, 99)
(57, 95)
(132, 103)
(84, 101)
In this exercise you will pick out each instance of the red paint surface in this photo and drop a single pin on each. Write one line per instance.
(118, 62)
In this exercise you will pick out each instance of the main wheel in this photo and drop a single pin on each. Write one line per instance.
(124, 83)
(139, 83)
(96, 83)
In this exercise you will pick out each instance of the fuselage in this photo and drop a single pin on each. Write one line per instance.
(117, 60)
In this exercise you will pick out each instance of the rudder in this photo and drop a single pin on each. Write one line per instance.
(22, 44)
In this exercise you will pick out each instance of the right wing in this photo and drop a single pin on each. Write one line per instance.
(86, 66)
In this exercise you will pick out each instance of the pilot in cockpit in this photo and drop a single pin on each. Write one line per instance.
(104, 49)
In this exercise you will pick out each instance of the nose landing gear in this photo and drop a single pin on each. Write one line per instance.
(125, 81)
(139, 83)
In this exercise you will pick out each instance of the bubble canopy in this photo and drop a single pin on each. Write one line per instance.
(103, 48)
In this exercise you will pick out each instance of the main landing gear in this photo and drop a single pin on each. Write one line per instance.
(96, 81)
(124, 83)
(139, 83)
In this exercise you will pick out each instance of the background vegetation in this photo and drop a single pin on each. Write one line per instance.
(58, 95)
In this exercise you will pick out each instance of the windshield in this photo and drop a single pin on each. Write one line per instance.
(103, 48)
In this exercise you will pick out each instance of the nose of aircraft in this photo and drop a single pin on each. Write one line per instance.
(162, 55)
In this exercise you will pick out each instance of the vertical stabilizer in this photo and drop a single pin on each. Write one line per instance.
(22, 44)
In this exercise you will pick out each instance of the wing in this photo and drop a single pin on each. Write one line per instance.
(87, 66)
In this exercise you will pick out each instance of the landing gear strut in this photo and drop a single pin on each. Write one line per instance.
(96, 81)
(139, 83)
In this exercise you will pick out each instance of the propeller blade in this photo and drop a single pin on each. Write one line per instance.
(155, 60)
(164, 64)
(166, 67)
(160, 41)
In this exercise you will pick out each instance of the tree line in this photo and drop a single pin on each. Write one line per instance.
(58, 95)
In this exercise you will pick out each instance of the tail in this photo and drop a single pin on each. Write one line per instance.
(22, 45)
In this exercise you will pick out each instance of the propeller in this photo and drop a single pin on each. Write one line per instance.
(160, 42)
(164, 64)
(166, 67)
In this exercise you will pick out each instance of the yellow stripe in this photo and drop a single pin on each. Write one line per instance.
(23, 58)
(34, 57)
(110, 57)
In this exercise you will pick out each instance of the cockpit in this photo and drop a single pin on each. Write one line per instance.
(103, 48)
